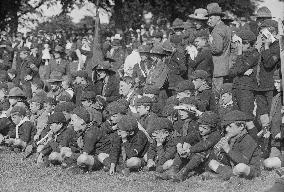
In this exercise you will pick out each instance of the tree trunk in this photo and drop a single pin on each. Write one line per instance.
(118, 16)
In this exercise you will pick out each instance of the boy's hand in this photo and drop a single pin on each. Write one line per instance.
(248, 72)
(151, 163)
(226, 146)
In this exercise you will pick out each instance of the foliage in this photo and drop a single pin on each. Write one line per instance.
(63, 22)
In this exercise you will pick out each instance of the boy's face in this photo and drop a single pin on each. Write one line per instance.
(142, 110)
(200, 42)
(34, 88)
(54, 87)
(12, 101)
(16, 118)
(197, 24)
(101, 74)
(277, 84)
(124, 88)
(245, 46)
(77, 123)
(197, 83)
(226, 98)
(64, 85)
(233, 129)
(122, 134)
(47, 106)
(34, 107)
(55, 127)
(86, 103)
(115, 118)
(183, 114)
(184, 94)
(160, 135)
(149, 95)
(80, 80)
(67, 115)
(204, 130)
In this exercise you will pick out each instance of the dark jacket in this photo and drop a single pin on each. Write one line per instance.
(248, 60)
(99, 140)
(205, 144)
(27, 132)
(203, 61)
(25, 68)
(136, 145)
(164, 152)
(146, 120)
(206, 100)
(270, 61)
(245, 150)
(111, 90)
(6, 125)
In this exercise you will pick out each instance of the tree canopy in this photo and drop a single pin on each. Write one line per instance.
(125, 13)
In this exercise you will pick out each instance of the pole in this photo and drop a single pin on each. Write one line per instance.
(281, 45)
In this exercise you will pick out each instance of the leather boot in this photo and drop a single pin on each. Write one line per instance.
(169, 174)
(182, 174)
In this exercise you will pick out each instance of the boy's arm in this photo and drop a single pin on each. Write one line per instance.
(204, 145)
(133, 149)
(169, 152)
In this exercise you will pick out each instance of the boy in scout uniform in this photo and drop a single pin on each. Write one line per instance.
(135, 144)
(162, 151)
(237, 152)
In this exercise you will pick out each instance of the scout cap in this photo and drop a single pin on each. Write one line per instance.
(209, 118)
(144, 100)
(82, 113)
(234, 116)
(226, 88)
(246, 35)
(116, 107)
(263, 12)
(56, 117)
(200, 74)
(160, 123)
(214, 9)
(128, 123)
(66, 106)
(184, 86)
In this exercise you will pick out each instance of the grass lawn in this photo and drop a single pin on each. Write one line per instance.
(24, 176)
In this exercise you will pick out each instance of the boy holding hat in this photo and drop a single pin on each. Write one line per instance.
(270, 61)
(23, 134)
(244, 74)
(237, 153)
(162, 151)
(135, 144)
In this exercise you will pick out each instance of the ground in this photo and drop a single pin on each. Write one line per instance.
(24, 176)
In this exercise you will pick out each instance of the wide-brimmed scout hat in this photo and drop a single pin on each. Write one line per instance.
(199, 14)
(16, 92)
(214, 9)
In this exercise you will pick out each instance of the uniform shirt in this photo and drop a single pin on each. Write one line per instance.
(25, 131)
(248, 60)
(164, 152)
(136, 145)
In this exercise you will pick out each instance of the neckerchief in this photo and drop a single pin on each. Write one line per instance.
(25, 119)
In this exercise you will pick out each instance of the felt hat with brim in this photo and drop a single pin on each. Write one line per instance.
(160, 123)
(58, 49)
(55, 80)
(209, 118)
(199, 14)
(16, 92)
(263, 12)
(105, 66)
(269, 23)
(178, 24)
(158, 50)
(214, 9)
(227, 18)
(25, 49)
(199, 74)
(144, 49)
(167, 46)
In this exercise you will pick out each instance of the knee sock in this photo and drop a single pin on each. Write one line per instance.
(225, 172)
(253, 133)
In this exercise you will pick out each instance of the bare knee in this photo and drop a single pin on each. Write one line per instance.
(241, 169)
(54, 156)
(133, 162)
(102, 157)
(272, 163)
(85, 159)
(168, 164)
(213, 165)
